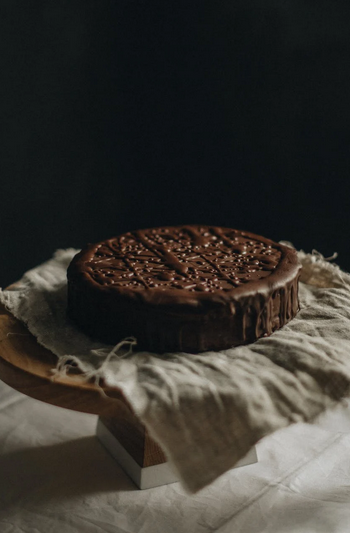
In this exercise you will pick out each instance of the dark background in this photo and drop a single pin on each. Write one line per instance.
(123, 114)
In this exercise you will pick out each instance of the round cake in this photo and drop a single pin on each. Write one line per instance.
(185, 288)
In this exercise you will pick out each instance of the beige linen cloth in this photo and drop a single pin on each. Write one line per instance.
(207, 410)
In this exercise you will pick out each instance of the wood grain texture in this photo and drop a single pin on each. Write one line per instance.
(134, 437)
(27, 367)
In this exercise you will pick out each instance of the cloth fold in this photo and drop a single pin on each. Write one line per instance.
(207, 410)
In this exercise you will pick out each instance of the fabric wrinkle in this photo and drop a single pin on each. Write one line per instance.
(207, 410)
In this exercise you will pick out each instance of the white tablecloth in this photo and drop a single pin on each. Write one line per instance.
(56, 477)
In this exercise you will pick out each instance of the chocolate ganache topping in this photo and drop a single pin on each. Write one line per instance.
(189, 288)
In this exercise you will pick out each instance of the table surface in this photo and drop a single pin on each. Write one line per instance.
(60, 479)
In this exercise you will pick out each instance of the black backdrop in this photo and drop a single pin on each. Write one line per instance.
(123, 114)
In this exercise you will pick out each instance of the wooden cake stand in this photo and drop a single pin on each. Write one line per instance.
(27, 367)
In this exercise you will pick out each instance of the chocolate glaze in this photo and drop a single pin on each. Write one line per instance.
(189, 288)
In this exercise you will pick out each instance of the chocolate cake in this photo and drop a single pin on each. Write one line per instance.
(185, 288)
